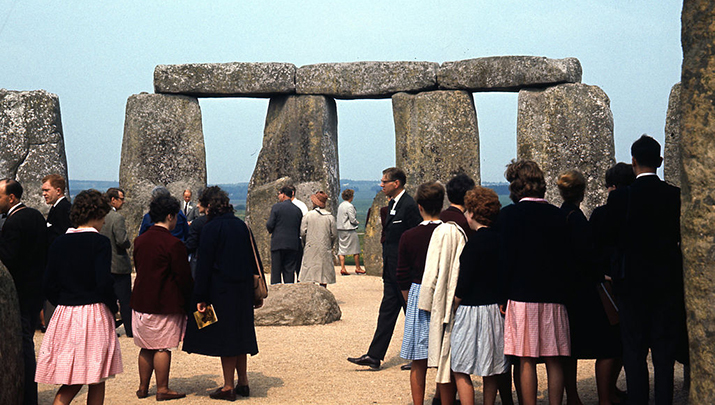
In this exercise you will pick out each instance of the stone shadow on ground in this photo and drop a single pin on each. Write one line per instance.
(260, 384)
(199, 385)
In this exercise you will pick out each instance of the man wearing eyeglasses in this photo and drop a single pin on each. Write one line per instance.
(402, 215)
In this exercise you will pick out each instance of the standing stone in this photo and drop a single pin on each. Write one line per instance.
(436, 136)
(32, 142)
(300, 142)
(507, 73)
(698, 193)
(365, 79)
(11, 361)
(163, 145)
(371, 245)
(673, 162)
(226, 79)
(569, 126)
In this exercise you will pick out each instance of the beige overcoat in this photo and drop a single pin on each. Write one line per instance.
(318, 231)
(439, 282)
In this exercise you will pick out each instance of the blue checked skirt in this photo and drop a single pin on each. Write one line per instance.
(416, 337)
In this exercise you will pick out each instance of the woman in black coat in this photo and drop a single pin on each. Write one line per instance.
(224, 279)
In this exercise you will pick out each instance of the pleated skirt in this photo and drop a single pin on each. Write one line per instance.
(79, 347)
(478, 341)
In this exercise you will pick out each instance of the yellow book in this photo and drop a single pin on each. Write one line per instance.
(207, 318)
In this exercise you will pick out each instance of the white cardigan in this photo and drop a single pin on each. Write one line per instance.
(437, 293)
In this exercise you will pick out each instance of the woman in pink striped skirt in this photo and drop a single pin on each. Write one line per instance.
(80, 345)
(534, 249)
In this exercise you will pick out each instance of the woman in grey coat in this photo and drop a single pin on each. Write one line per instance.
(348, 241)
(318, 231)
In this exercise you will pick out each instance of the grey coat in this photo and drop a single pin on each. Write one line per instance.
(319, 233)
(116, 231)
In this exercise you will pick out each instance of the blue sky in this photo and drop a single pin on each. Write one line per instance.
(94, 55)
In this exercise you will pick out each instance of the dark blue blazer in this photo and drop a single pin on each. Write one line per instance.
(284, 226)
(407, 216)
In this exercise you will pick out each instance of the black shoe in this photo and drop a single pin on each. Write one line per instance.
(365, 360)
(407, 366)
(243, 390)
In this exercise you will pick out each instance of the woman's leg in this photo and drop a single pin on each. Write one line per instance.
(604, 381)
(146, 368)
(357, 263)
(490, 385)
(464, 388)
(66, 394)
(162, 365)
(418, 377)
(504, 386)
(343, 270)
(242, 369)
(448, 392)
(570, 366)
(555, 377)
(527, 380)
(95, 395)
(228, 365)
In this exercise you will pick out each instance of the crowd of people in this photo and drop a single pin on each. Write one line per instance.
(487, 291)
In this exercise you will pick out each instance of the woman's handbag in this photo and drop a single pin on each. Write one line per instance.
(260, 288)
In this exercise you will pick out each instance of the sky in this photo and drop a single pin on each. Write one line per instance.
(94, 55)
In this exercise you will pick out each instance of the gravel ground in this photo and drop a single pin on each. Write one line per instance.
(307, 364)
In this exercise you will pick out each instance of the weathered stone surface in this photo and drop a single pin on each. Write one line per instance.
(569, 126)
(298, 304)
(163, 145)
(365, 79)
(32, 141)
(11, 363)
(371, 246)
(436, 136)
(698, 193)
(300, 142)
(507, 73)
(226, 79)
(673, 162)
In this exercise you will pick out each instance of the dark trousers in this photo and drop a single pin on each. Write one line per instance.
(29, 311)
(285, 263)
(655, 323)
(392, 303)
(123, 291)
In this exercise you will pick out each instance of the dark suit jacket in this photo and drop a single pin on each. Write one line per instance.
(407, 216)
(644, 221)
(23, 250)
(115, 229)
(58, 220)
(284, 226)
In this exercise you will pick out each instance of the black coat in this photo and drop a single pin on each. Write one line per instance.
(284, 226)
(224, 278)
(23, 250)
(407, 216)
(58, 220)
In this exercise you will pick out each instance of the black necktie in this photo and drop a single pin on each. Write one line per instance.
(389, 207)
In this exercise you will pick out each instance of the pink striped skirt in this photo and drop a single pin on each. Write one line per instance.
(158, 331)
(79, 347)
(536, 329)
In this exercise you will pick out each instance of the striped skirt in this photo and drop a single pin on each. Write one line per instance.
(416, 336)
(79, 347)
(536, 329)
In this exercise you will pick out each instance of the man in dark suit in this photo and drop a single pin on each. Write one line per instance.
(284, 226)
(402, 214)
(23, 250)
(58, 219)
(644, 220)
(115, 229)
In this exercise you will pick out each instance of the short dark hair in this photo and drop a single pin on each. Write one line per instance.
(348, 193)
(457, 187)
(113, 192)
(525, 180)
(287, 190)
(572, 186)
(87, 206)
(431, 197)
(620, 175)
(483, 203)
(646, 151)
(13, 187)
(161, 206)
(56, 181)
(395, 173)
(216, 201)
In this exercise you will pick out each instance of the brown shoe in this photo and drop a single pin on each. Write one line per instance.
(167, 396)
(229, 395)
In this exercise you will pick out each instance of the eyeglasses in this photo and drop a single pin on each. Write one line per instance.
(385, 182)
